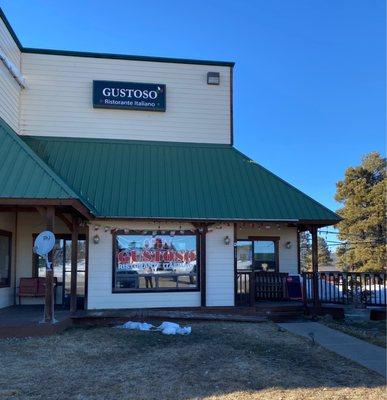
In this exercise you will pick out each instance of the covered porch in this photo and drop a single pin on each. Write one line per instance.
(24, 277)
(24, 321)
(267, 263)
(33, 198)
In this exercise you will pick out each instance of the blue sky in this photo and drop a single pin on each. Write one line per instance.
(309, 88)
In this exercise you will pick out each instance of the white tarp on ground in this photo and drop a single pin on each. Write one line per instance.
(140, 326)
(167, 328)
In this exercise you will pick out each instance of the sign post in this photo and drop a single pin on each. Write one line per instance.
(44, 243)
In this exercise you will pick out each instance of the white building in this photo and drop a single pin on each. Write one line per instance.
(134, 156)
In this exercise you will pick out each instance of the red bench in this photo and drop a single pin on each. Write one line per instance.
(33, 287)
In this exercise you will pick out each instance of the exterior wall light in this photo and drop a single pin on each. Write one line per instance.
(226, 240)
(96, 239)
(213, 78)
(288, 245)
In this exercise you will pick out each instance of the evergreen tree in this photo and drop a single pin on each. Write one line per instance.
(305, 251)
(324, 254)
(362, 193)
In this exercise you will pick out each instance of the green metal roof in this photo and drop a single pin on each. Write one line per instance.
(23, 174)
(164, 180)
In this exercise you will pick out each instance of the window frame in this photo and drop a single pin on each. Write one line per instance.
(274, 239)
(9, 235)
(154, 290)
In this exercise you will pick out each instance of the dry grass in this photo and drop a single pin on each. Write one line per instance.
(372, 331)
(217, 361)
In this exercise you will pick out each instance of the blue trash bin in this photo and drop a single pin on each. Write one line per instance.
(294, 287)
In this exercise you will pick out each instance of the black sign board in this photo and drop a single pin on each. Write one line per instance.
(129, 95)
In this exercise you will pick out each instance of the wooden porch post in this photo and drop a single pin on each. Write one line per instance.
(49, 297)
(74, 262)
(202, 229)
(316, 299)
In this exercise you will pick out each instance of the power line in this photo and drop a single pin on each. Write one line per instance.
(361, 235)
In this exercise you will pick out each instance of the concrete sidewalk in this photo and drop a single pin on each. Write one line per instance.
(366, 354)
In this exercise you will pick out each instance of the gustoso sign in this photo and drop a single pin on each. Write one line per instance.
(129, 95)
(155, 259)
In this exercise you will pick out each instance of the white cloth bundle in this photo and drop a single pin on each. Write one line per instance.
(166, 328)
(170, 328)
(141, 326)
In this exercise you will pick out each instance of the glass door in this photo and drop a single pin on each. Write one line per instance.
(265, 255)
(257, 254)
(81, 273)
(244, 254)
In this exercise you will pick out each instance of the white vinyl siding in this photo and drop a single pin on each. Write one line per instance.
(58, 101)
(100, 274)
(288, 258)
(219, 271)
(9, 88)
(220, 267)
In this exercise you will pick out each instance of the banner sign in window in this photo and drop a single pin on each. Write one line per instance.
(161, 262)
(129, 95)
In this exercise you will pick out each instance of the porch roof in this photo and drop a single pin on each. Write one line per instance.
(23, 175)
(166, 180)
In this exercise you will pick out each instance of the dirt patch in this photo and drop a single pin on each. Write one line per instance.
(217, 361)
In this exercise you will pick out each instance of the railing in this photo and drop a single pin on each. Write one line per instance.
(348, 288)
(252, 286)
(245, 292)
(333, 287)
(270, 286)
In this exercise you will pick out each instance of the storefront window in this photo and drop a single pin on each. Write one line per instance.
(155, 263)
(5, 258)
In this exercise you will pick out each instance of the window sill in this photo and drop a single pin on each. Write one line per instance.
(126, 291)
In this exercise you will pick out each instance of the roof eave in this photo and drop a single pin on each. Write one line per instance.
(87, 54)
(322, 222)
(38, 202)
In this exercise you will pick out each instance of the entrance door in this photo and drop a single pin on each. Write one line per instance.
(61, 263)
(81, 273)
